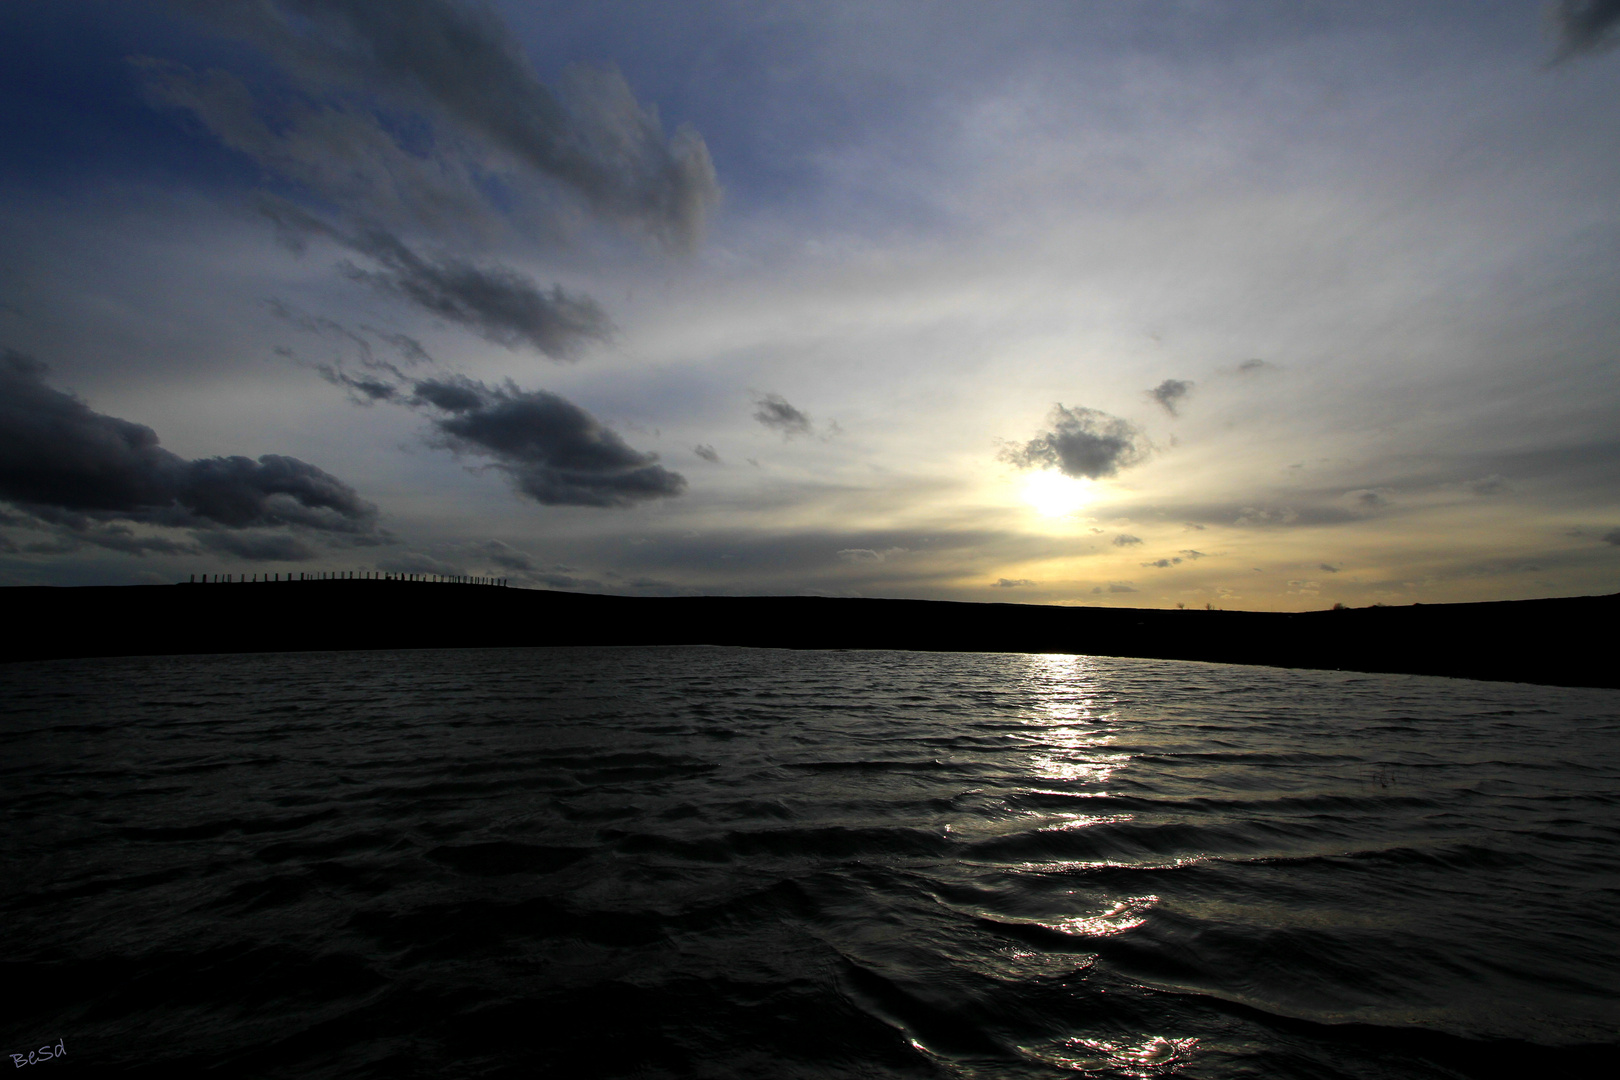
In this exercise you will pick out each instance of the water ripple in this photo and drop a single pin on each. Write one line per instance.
(740, 863)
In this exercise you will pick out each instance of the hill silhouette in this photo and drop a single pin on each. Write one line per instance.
(1560, 641)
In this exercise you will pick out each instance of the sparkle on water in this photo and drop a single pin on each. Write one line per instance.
(836, 864)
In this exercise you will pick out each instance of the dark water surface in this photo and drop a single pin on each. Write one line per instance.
(764, 864)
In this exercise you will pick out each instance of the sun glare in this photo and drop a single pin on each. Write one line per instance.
(1052, 494)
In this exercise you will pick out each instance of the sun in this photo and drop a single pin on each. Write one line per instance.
(1052, 494)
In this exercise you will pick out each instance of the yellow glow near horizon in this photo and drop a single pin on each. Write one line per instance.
(1051, 494)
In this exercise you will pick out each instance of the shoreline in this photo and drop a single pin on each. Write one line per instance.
(1554, 642)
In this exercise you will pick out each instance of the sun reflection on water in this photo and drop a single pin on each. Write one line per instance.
(1070, 708)
(1123, 915)
(1153, 1055)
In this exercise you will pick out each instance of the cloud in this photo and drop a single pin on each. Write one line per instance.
(707, 453)
(1011, 583)
(1193, 553)
(495, 302)
(555, 452)
(1164, 564)
(409, 347)
(857, 555)
(70, 466)
(257, 546)
(506, 556)
(1585, 26)
(774, 412)
(1489, 485)
(1170, 394)
(566, 581)
(1126, 540)
(1116, 587)
(338, 154)
(456, 69)
(363, 390)
(1251, 516)
(1328, 568)
(1612, 537)
(1249, 367)
(1369, 498)
(72, 536)
(1082, 443)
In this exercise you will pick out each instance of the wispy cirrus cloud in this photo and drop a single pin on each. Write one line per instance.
(457, 69)
(496, 302)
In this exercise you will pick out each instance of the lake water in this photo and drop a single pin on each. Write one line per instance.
(705, 862)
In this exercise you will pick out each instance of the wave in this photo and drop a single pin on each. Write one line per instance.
(729, 863)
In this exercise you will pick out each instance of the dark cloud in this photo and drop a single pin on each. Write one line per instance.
(257, 546)
(72, 534)
(456, 67)
(707, 453)
(774, 412)
(1193, 553)
(1328, 568)
(1116, 587)
(363, 390)
(555, 452)
(1612, 537)
(451, 395)
(1082, 443)
(1585, 26)
(495, 302)
(1170, 394)
(1164, 564)
(1126, 540)
(1011, 583)
(70, 466)
(1248, 367)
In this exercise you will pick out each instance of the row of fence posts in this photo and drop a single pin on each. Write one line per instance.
(342, 575)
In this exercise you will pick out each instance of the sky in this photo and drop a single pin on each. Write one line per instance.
(1262, 305)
